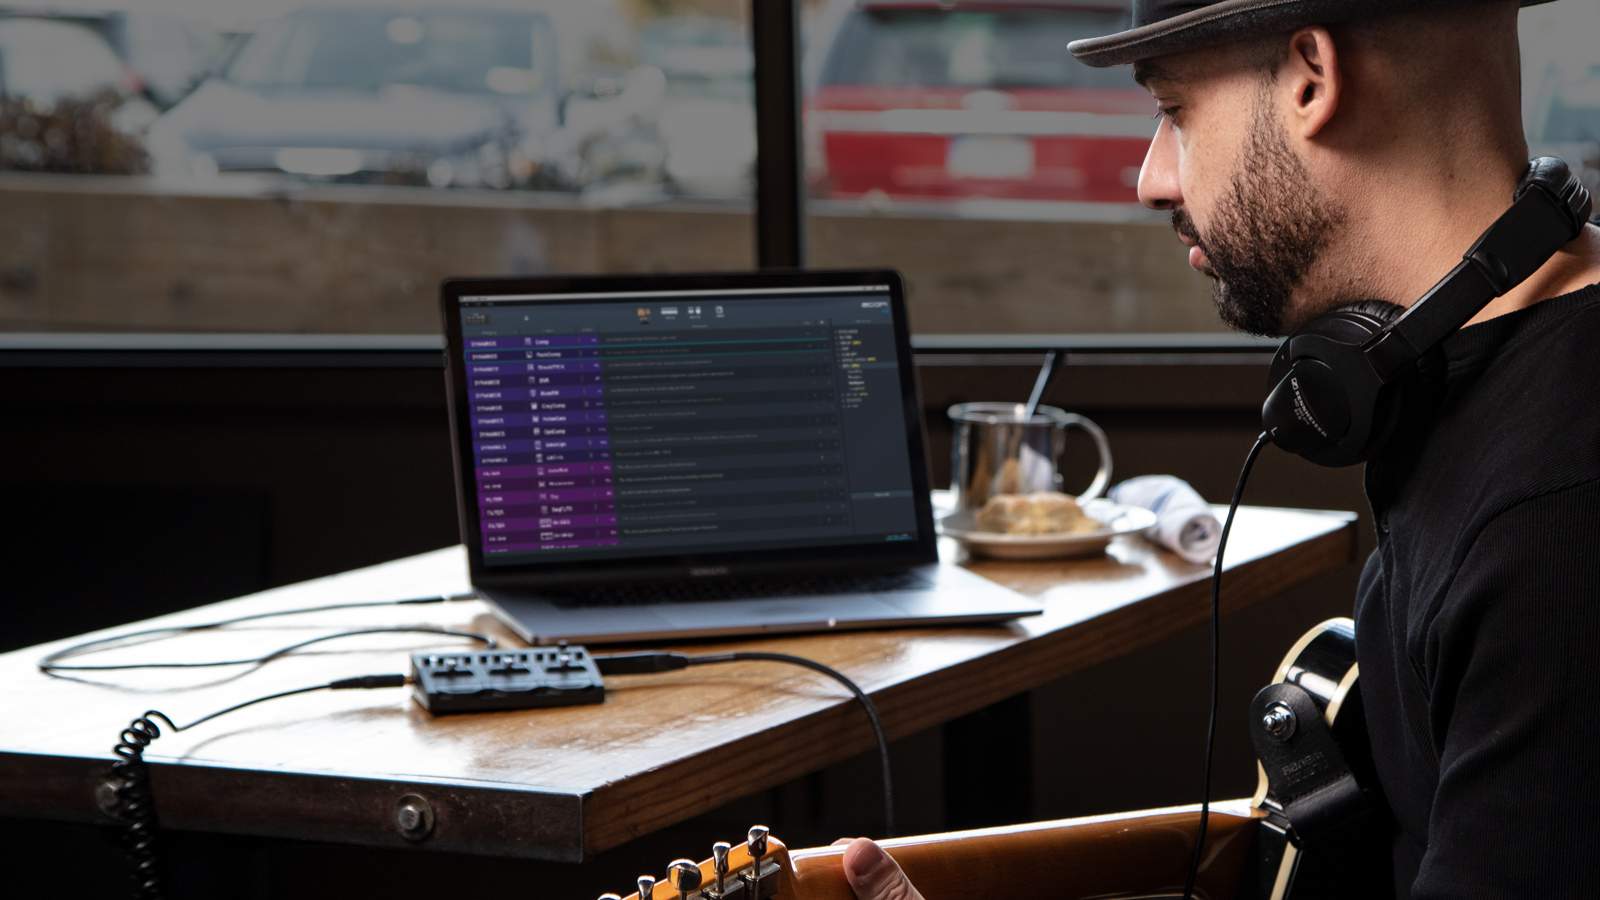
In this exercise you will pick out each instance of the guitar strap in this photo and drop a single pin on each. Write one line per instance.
(1325, 835)
(1311, 789)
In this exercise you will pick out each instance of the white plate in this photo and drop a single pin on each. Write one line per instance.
(1114, 519)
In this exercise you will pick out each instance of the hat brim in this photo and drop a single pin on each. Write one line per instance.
(1227, 21)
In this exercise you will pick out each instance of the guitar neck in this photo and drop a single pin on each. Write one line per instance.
(1125, 855)
(1138, 854)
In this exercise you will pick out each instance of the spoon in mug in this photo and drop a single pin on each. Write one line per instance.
(1046, 371)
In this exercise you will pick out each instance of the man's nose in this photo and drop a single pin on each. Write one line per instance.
(1158, 177)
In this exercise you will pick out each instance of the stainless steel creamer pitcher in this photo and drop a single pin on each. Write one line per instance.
(994, 450)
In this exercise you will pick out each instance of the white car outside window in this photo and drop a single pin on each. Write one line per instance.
(47, 62)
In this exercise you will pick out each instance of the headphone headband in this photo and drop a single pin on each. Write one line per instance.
(1550, 208)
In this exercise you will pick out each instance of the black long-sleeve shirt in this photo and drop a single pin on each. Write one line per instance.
(1478, 616)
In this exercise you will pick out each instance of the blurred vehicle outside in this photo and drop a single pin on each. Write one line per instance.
(398, 93)
(67, 102)
(165, 54)
(708, 117)
(970, 99)
(169, 54)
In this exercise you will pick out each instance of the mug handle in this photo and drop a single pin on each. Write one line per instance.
(1102, 477)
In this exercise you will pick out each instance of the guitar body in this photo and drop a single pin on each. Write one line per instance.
(1250, 852)
(1351, 860)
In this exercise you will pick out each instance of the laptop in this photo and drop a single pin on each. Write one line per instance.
(663, 456)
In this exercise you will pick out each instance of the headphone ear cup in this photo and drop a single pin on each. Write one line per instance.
(1394, 398)
(1327, 404)
(1408, 399)
(1378, 314)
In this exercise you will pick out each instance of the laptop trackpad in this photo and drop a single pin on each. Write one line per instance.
(787, 610)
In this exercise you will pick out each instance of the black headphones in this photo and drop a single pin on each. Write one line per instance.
(1339, 383)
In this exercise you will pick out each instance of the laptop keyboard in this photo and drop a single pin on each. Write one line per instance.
(702, 592)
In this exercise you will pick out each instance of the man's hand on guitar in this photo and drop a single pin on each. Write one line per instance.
(873, 875)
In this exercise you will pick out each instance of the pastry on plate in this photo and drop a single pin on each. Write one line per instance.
(1047, 512)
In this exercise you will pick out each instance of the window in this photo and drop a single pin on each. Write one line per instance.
(1561, 84)
(319, 166)
(966, 147)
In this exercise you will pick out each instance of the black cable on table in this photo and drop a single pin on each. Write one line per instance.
(47, 665)
(53, 662)
(642, 663)
(1216, 646)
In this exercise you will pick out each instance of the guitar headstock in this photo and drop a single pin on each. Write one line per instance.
(757, 869)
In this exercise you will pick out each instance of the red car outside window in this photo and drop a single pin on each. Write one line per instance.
(966, 100)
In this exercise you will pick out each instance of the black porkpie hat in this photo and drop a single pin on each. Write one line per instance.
(1164, 27)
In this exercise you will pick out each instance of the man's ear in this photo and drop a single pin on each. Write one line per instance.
(1313, 80)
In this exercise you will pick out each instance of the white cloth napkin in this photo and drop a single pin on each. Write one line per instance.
(1185, 523)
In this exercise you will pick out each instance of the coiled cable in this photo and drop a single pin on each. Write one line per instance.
(130, 777)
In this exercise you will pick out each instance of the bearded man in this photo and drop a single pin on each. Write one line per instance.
(1315, 154)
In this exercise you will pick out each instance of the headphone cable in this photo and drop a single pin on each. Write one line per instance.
(1216, 643)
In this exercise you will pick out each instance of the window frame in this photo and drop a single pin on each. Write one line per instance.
(780, 201)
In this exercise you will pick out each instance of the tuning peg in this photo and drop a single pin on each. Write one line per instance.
(647, 887)
(684, 875)
(719, 861)
(756, 839)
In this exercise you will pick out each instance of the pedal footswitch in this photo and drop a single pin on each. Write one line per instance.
(485, 680)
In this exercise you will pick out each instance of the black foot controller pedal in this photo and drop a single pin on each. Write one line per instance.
(505, 679)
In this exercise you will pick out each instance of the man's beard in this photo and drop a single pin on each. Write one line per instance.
(1266, 233)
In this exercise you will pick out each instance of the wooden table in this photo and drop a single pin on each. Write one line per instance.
(563, 784)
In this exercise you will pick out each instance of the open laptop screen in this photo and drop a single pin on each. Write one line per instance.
(629, 424)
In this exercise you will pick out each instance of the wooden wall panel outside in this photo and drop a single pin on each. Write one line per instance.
(81, 253)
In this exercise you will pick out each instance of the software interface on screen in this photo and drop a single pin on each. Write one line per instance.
(630, 425)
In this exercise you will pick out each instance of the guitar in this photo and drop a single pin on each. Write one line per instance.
(1255, 849)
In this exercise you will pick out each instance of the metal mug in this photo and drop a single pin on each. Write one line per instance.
(995, 451)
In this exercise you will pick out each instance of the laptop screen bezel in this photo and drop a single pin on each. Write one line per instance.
(710, 565)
